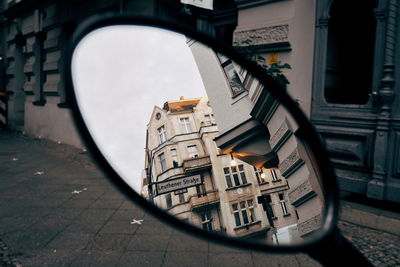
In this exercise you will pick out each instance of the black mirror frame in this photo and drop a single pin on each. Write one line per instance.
(329, 181)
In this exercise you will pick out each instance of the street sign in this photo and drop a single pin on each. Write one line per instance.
(177, 184)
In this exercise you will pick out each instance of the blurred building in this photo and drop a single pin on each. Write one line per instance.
(257, 129)
(180, 148)
(344, 75)
(33, 38)
(343, 57)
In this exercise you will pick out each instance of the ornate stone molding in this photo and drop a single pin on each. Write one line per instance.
(322, 23)
(291, 164)
(312, 224)
(280, 136)
(261, 36)
(386, 95)
(301, 194)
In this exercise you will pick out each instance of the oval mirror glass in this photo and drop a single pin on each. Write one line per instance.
(197, 135)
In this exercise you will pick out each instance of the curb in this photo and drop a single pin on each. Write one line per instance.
(374, 218)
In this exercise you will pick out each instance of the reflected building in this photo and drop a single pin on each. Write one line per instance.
(255, 128)
(180, 147)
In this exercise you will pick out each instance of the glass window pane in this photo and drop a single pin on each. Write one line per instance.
(251, 215)
(222, 58)
(181, 198)
(236, 179)
(237, 219)
(168, 200)
(243, 175)
(245, 218)
(228, 181)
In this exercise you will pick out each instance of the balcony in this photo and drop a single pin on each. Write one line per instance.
(196, 164)
(198, 202)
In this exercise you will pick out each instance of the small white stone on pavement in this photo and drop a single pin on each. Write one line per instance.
(134, 221)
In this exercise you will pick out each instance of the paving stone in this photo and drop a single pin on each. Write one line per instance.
(107, 258)
(110, 242)
(71, 240)
(191, 259)
(141, 242)
(141, 258)
(119, 227)
(47, 257)
(102, 203)
(187, 243)
(43, 224)
(230, 259)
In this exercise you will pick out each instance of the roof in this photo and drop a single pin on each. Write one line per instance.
(181, 104)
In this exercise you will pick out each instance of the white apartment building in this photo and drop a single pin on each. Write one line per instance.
(255, 128)
(187, 176)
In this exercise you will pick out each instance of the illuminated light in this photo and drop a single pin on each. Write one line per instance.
(233, 161)
(263, 175)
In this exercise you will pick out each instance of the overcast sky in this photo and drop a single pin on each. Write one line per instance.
(120, 73)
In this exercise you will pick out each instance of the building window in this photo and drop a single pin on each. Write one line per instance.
(174, 158)
(350, 53)
(248, 80)
(192, 150)
(270, 210)
(258, 173)
(163, 162)
(206, 221)
(283, 204)
(185, 125)
(181, 198)
(201, 190)
(273, 175)
(168, 200)
(209, 119)
(162, 134)
(237, 174)
(243, 212)
(231, 75)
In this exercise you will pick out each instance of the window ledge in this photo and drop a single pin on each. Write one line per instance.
(263, 183)
(39, 103)
(247, 225)
(286, 215)
(276, 181)
(238, 186)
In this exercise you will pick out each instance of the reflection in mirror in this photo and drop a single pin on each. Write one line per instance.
(197, 135)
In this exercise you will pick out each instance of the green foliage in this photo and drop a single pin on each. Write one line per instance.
(274, 69)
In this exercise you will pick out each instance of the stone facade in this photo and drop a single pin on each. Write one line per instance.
(262, 133)
(226, 200)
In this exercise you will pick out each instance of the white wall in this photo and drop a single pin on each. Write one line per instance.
(51, 122)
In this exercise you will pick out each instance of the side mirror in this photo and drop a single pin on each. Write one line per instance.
(200, 136)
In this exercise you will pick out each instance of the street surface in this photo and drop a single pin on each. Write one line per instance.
(58, 209)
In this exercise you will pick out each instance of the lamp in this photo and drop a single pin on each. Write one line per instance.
(233, 161)
(262, 173)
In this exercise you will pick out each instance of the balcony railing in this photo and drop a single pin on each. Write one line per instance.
(197, 202)
(196, 164)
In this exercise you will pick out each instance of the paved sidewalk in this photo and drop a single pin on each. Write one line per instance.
(58, 209)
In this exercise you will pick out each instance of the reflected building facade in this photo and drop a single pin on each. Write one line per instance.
(263, 134)
(180, 145)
